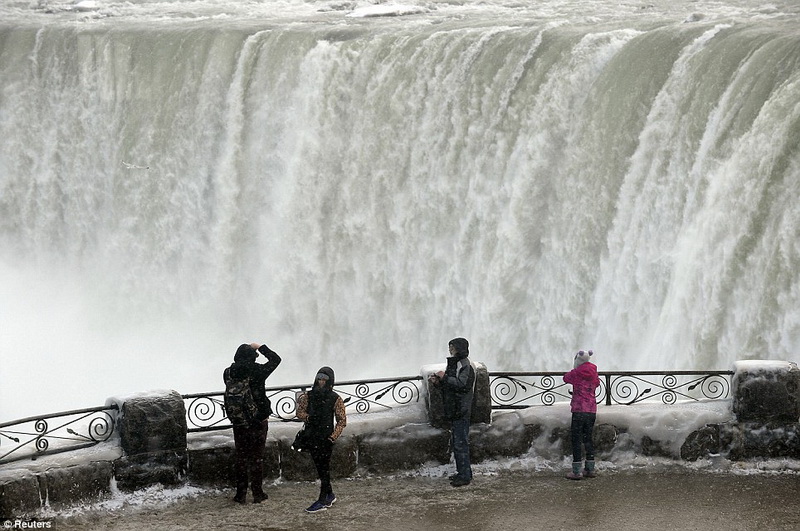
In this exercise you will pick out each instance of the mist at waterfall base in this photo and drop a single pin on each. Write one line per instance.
(356, 184)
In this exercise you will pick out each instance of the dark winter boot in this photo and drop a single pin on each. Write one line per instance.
(588, 471)
(257, 482)
(576, 471)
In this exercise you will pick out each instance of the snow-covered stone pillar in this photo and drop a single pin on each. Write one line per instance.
(766, 392)
(481, 402)
(766, 402)
(152, 428)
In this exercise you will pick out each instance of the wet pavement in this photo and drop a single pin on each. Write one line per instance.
(506, 500)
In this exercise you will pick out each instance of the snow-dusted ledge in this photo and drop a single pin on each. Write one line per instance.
(759, 421)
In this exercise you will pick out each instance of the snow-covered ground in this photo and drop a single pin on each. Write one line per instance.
(158, 497)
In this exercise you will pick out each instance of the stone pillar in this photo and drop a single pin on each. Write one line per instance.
(152, 429)
(766, 402)
(766, 392)
(481, 401)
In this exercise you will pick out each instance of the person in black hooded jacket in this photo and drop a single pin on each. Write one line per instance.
(249, 439)
(457, 383)
(318, 408)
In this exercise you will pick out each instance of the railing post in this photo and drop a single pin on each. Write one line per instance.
(608, 389)
(152, 432)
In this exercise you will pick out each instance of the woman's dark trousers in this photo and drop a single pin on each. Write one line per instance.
(321, 455)
(581, 433)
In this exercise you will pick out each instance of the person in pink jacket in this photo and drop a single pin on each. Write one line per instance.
(584, 380)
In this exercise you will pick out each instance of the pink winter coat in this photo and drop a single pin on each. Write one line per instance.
(584, 381)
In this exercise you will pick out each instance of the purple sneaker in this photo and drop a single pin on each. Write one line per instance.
(330, 499)
(316, 507)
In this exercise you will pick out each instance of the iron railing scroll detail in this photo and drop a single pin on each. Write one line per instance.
(670, 387)
(518, 390)
(60, 432)
(32, 437)
(206, 411)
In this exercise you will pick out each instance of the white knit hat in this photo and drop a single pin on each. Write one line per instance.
(582, 357)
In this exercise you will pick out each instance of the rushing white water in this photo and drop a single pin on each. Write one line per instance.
(177, 178)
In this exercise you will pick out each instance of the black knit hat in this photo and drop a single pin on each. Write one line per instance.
(245, 353)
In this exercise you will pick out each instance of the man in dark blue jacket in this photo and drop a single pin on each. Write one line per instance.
(250, 437)
(457, 382)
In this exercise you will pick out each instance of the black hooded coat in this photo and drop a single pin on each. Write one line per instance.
(321, 403)
(458, 383)
(245, 366)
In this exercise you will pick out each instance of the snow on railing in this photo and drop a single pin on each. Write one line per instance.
(33, 436)
(55, 433)
(518, 390)
(206, 411)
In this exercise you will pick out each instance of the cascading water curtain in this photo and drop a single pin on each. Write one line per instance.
(361, 194)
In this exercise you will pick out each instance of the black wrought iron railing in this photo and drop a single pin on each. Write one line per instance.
(517, 390)
(32, 437)
(206, 411)
(508, 390)
(59, 432)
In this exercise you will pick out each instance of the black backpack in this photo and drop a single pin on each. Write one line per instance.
(240, 407)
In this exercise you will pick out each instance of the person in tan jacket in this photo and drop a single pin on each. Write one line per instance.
(319, 408)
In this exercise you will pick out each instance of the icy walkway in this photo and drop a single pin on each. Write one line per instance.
(505, 500)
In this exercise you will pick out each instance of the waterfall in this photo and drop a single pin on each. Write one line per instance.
(356, 195)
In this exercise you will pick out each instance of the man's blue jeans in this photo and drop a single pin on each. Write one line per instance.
(461, 448)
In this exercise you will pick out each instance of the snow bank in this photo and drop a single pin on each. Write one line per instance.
(357, 424)
(104, 451)
(763, 366)
(121, 399)
(669, 425)
(153, 497)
